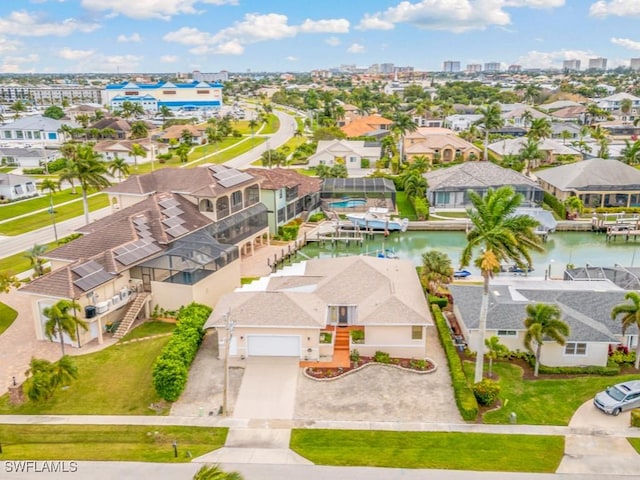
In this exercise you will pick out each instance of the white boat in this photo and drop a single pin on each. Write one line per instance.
(378, 219)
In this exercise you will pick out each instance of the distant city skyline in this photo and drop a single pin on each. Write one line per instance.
(147, 36)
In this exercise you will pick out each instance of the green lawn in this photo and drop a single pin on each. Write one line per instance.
(542, 401)
(7, 316)
(108, 442)
(10, 210)
(405, 209)
(43, 219)
(113, 381)
(18, 263)
(272, 126)
(148, 329)
(239, 149)
(440, 450)
(635, 443)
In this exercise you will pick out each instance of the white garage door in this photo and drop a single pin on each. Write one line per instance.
(273, 345)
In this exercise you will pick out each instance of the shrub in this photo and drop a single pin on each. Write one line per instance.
(465, 398)
(635, 417)
(56, 165)
(33, 171)
(556, 205)
(486, 391)
(421, 206)
(317, 217)
(364, 163)
(441, 302)
(289, 231)
(418, 364)
(354, 356)
(357, 336)
(381, 357)
(325, 337)
(169, 378)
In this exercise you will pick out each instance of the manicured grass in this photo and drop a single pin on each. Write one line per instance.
(7, 316)
(213, 149)
(239, 149)
(635, 443)
(23, 207)
(43, 219)
(272, 126)
(247, 280)
(113, 381)
(148, 329)
(441, 450)
(542, 401)
(451, 215)
(405, 209)
(18, 263)
(108, 442)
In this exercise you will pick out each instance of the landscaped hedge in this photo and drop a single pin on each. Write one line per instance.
(465, 398)
(171, 369)
(439, 301)
(421, 206)
(556, 205)
(608, 371)
(635, 417)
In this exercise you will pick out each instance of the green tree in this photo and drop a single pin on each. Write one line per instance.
(45, 377)
(8, 281)
(491, 119)
(530, 153)
(90, 172)
(630, 313)
(574, 205)
(34, 254)
(414, 184)
(62, 319)
(139, 129)
(119, 168)
(52, 187)
(165, 112)
(137, 151)
(494, 350)
(630, 154)
(502, 236)
(54, 112)
(183, 152)
(540, 129)
(402, 124)
(436, 269)
(543, 322)
(214, 472)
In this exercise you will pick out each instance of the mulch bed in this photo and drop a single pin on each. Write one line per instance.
(321, 372)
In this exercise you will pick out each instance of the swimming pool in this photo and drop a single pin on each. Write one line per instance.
(350, 203)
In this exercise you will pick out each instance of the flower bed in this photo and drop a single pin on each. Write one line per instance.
(407, 364)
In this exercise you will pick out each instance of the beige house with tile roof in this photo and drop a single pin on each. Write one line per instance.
(167, 244)
(368, 126)
(351, 153)
(438, 145)
(112, 149)
(175, 132)
(285, 313)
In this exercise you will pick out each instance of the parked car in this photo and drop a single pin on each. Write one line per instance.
(623, 396)
(461, 274)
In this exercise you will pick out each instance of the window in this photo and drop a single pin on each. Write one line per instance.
(168, 92)
(416, 332)
(130, 94)
(574, 348)
(202, 92)
(236, 201)
(507, 333)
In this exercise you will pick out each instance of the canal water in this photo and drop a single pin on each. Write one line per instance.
(562, 248)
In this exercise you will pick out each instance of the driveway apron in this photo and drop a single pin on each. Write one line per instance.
(268, 389)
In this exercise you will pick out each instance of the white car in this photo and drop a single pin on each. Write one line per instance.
(623, 396)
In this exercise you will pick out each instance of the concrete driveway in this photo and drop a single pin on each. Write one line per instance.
(268, 389)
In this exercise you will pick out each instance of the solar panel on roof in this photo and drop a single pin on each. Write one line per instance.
(177, 231)
(172, 212)
(140, 221)
(235, 179)
(168, 203)
(93, 279)
(173, 221)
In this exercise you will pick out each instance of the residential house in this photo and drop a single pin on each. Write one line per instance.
(522, 116)
(16, 187)
(176, 133)
(27, 157)
(85, 109)
(120, 126)
(34, 131)
(558, 105)
(613, 104)
(353, 154)
(570, 114)
(585, 308)
(438, 145)
(370, 126)
(460, 122)
(449, 187)
(178, 237)
(573, 131)
(597, 182)
(284, 314)
(287, 194)
(112, 149)
(553, 150)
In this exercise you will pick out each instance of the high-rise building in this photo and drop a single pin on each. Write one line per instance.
(635, 64)
(492, 67)
(514, 68)
(571, 65)
(598, 63)
(386, 68)
(474, 68)
(451, 66)
(219, 77)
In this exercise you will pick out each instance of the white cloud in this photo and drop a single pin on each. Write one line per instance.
(23, 23)
(356, 48)
(626, 43)
(69, 54)
(257, 28)
(554, 59)
(188, 36)
(160, 9)
(452, 15)
(333, 41)
(620, 8)
(169, 58)
(134, 37)
(338, 25)
(228, 48)
(291, 59)
(7, 46)
(221, 2)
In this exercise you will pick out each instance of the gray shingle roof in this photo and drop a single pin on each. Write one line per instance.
(476, 174)
(593, 173)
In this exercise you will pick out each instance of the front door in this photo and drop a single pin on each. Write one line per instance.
(343, 316)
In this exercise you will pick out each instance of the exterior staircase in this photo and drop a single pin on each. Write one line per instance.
(131, 314)
(342, 340)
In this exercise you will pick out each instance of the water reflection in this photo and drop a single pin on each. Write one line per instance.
(562, 248)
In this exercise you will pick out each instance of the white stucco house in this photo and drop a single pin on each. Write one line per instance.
(16, 187)
(350, 152)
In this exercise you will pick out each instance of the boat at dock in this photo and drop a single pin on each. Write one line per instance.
(377, 218)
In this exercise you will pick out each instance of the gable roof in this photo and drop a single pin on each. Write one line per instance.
(513, 146)
(36, 123)
(476, 175)
(592, 174)
(362, 126)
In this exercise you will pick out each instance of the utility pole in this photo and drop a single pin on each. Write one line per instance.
(227, 344)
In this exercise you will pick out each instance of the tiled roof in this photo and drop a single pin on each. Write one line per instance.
(476, 174)
(275, 178)
(593, 173)
(361, 126)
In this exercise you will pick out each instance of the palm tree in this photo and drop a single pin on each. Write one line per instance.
(540, 129)
(52, 187)
(165, 112)
(402, 123)
(137, 151)
(119, 168)
(543, 323)
(574, 205)
(34, 254)
(491, 118)
(494, 350)
(62, 319)
(565, 135)
(502, 236)
(214, 472)
(90, 172)
(630, 154)
(436, 269)
(63, 372)
(139, 129)
(530, 153)
(414, 184)
(630, 316)
(183, 152)
(253, 123)
(625, 105)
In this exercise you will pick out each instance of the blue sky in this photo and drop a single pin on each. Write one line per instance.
(110, 36)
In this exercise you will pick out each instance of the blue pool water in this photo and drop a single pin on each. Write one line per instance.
(348, 203)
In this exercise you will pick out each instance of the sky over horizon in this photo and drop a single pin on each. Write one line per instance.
(154, 36)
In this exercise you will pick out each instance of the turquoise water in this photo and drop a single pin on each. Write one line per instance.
(348, 203)
(578, 248)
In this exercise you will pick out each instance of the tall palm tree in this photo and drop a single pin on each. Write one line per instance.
(402, 124)
(491, 119)
(540, 129)
(436, 269)
(61, 319)
(494, 350)
(118, 168)
(630, 154)
(139, 129)
(214, 472)
(89, 170)
(543, 322)
(530, 153)
(630, 316)
(502, 236)
(137, 150)
(34, 254)
(414, 184)
(52, 187)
